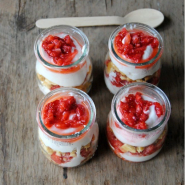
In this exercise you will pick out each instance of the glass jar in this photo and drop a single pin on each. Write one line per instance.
(132, 144)
(119, 72)
(68, 150)
(78, 74)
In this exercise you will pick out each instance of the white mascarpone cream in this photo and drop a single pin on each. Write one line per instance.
(63, 79)
(70, 146)
(136, 73)
(113, 89)
(137, 139)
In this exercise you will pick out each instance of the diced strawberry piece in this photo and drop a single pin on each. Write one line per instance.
(155, 43)
(65, 115)
(66, 49)
(113, 140)
(132, 110)
(54, 87)
(85, 152)
(71, 101)
(131, 97)
(56, 158)
(135, 39)
(67, 39)
(148, 150)
(80, 110)
(118, 82)
(50, 38)
(63, 106)
(139, 109)
(124, 106)
(158, 109)
(143, 117)
(50, 46)
(57, 51)
(138, 97)
(123, 32)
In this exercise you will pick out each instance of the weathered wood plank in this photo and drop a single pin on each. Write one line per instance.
(21, 161)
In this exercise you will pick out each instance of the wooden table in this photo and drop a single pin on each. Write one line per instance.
(21, 161)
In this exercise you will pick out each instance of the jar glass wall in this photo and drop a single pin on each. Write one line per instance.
(60, 147)
(137, 145)
(72, 66)
(121, 70)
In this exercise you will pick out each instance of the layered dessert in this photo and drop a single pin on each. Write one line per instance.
(139, 130)
(134, 53)
(68, 136)
(62, 60)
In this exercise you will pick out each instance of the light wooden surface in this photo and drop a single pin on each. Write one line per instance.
(21, 161)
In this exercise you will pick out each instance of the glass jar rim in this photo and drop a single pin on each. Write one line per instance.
(64, 89)
(137, 26)
(85, 49)
(152, 87)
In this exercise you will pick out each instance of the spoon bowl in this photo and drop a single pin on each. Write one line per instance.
(147, 16)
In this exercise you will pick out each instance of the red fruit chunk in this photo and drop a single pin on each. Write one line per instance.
(117, 81)
(80, 110)
(149, 150)
(134, 44)
(113, 140)
(54, 87)
(158, 109)
(143, 117)
(56, 158)
(85, 152)
(134, 110)
(139, 109)
(124, 106)
(65, 113)
(60, 49)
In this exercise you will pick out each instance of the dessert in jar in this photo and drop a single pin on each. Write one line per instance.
(137, 122)
(67, 127)
(134, 56)
(62, 59)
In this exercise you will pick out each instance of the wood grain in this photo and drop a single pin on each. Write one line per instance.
(21, 161)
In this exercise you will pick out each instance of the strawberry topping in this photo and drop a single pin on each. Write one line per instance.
(60, 49)
(132, 44)
(65, 113)
(134, 110)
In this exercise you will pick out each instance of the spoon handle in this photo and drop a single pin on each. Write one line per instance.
(80, 21)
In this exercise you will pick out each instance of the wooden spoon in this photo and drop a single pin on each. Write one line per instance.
(147, 16)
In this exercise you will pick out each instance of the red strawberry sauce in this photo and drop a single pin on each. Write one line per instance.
(62, 50)
(65, 113)
(134, 110)
(135, 43)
